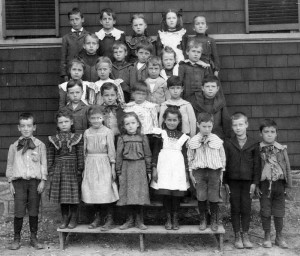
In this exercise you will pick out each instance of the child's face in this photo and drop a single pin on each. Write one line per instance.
(194, 54)
(168, 60)
(64, 123)
(153, 71)
(269, 134)
(76, 21)
(26, 127)
(171, 20)
(205, 128)
(139, 96)
(119, 54)
(107, 21)
(109, 96)
(200, 26)
(131, 124)
(143, 55)
(175, 91)
(139, 26)
(76, 71)
(210, 89)
(172, 121)
(75, 94)
(103, 71)
(91, 45)
(239, 127)
(96, 120)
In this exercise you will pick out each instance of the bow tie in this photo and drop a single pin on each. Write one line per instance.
(111, 107)
(204, 140)
(25, 144)
(109, 35)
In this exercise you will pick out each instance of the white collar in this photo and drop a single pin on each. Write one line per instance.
(74, 30)
(116, 33)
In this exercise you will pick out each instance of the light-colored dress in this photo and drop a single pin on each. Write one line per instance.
(171, 168)
(97, 184)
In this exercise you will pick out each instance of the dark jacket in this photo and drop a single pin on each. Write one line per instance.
(71, 46)
(90, 72)
(137, 75)
(105, 45)
(242, 164)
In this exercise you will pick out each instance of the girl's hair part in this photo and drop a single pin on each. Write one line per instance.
(73, 83)
(175, 111)
(65, 113)
(154, 61)
(174, 81)
(179, 25)
(76, 60)
(140, 86)
(168, 49)
(131, 114)
(109, 12)
(108, 86)
(96, 109)
(92, 35)
(103, 59)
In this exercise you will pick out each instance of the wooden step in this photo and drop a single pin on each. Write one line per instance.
(189, 204)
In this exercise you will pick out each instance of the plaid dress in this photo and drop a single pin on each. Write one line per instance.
(65, 160)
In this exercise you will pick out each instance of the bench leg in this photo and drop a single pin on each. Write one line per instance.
(61, 240)
(221, 239)
(142, 245)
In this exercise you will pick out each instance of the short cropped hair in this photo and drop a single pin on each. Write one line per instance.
(76, 60)
(92, 35)
(174, 81)
(145, 45)
(194, 43)
(103, 59)
(140, 86)
(154, 61)
(211, 79)
(118, 45)
(268, 123)
(96, 109)
(239, 115)
(26, 116)
(73, 83)
(205, 117)
(198, 16)
(109, 12)
(138, 16)
(75, 10)
(108, 86)
(168, 49)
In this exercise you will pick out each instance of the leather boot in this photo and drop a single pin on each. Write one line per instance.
(279, 241)
(139, 222)
(267, 241)
(175, 221)
(33, 225)
(238, 241)
(168, 225)
(246, 242)
(96, 222)
(202, 206)
(214, 208)
(129, 222)
(109, 222)
(64, 216)
(73, 220)
(15, 245)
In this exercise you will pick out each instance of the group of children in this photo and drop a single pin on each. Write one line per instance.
(159, 123)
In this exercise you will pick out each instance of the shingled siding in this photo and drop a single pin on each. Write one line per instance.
(224, 17)
(261, 79)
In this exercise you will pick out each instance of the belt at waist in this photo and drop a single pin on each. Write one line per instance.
(96, 154)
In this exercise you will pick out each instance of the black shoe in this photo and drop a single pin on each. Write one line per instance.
(15, 245)
(96, 222)
(34, 242)
(168, 224)
(175, 221)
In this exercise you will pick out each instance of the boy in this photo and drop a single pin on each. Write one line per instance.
(175, 88)
(108, 34)
(207, 161)
(275, 180)
(26, 173)
(139, 70)
(72, 42)
(121, 68)
(89, 56)
(157, 86)
(190, 71)
(78, 108)
(211, 101)
(241, 176)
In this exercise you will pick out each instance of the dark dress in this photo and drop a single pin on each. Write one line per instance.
(65, 160)
(133, 163)
(90, 72)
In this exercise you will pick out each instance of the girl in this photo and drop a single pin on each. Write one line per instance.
(76, 70)
(65, 165)
(209, 56)
(170, 67)
(172, 34)
(139, 27)
(133, 164)
(104, 68)
(170, 165)
(98, 185)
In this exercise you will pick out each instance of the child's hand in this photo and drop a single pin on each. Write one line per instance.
(288, 194)
(66, 78)
(154, 174)
(41, 187)
(12, 189)
(258, 192)
(193, 179)
(113, 172)
(252, 190)
(221, 177)
(216, 73)
(227, 189)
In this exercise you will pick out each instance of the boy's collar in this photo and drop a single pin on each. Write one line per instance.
(275, 144)
(116, 33)
(193, 63)
(74, 30)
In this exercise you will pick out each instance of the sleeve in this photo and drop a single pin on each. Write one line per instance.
(159, 46)
(257, 165)
(190, 156)
(192, 120)
(111, 151)
(80, 156)
(123, 38)
(288, 169)
(223, 157)
(215, 56)
(166, 91)
(154, 117)
(161, 113)
(50, 157)
(64, 54)
(184, 41)
(225, 176)
(10, 162)
(120, 94)
(147, 153)
(91, 94)
(119, 160)
(84, 145)
(181, 72)
(226, 123)
(157, 146)
(185, 157)
(43, 162)
(62, 98)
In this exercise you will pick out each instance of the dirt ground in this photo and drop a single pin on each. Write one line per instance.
(158, 245)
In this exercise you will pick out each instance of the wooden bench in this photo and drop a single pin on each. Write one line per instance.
(184, 230)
